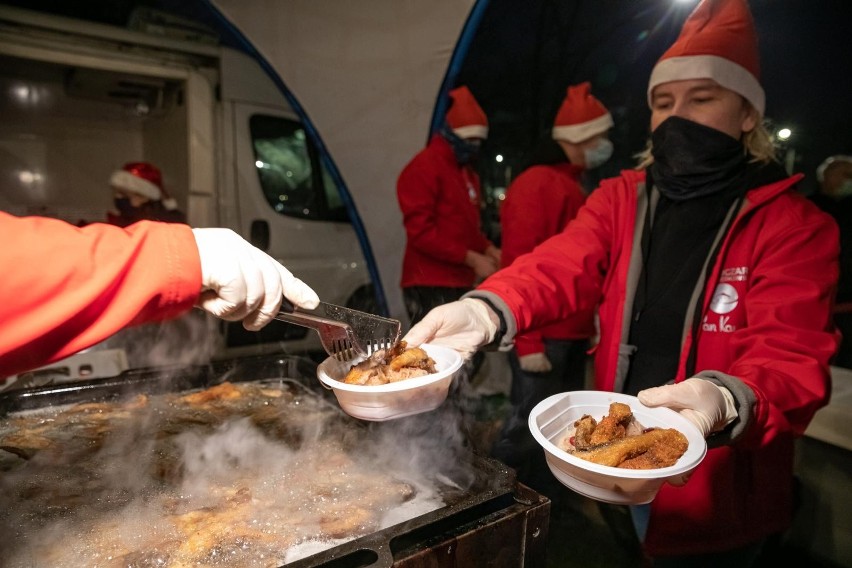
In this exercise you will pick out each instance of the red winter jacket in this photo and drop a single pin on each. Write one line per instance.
(765, 324)
(538, 205)
(67, 288)
(440, 203)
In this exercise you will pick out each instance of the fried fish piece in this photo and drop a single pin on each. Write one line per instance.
(668, 445)
(660, 454)
(584, 428)
(25, 445)
(368, 371)
(391, 365)
(220, 392)
(613, 426)
(589, 433)
(414, 357)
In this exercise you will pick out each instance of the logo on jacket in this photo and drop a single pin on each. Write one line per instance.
(734, 274)
(725, 299)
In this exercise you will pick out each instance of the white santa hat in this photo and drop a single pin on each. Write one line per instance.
(719, 42)
(580, 116)
(142, 178)
(465, 117)
(820, 171)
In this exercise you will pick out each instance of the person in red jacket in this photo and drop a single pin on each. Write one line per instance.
(714, 281)
(139, 194)
(446, 252)
(834, 196)
(539, 204)
(68, 288)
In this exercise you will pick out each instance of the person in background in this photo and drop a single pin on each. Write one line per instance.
(714, 280)
(539, 204)
(71, 287)
(834, 197)
(139, 194)
(446, 252)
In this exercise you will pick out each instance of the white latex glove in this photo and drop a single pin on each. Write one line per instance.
(704, 403)
(241, 282)
(535, 363)
(465, 325)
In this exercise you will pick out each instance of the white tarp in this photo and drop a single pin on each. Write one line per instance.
(368, 75)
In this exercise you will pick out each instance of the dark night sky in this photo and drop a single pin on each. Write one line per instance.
(526, 53)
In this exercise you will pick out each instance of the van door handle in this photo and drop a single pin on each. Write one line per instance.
(259, 234)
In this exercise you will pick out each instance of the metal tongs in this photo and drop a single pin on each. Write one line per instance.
(344, 333)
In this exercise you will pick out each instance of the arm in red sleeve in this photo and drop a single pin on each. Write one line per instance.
(521, 230)
(68, 288)
(418, 192)
(790, 302)
(522, 225)
(563, 277)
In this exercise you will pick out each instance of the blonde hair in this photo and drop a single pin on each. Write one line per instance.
(757, 143)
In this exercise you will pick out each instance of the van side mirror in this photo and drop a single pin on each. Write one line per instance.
(259, 234)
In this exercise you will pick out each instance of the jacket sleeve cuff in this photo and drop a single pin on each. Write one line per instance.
(504, 339)
(744, 401)
(177, 253)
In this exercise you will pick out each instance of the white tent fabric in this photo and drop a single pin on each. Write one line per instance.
(368, 76)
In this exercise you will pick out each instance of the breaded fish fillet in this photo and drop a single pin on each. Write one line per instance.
(391, 365)
(665, 444)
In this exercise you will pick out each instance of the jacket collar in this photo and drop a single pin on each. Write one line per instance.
(754, 197)
(759, 195)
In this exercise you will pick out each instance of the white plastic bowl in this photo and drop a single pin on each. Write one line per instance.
(393, 400)
(551, 419)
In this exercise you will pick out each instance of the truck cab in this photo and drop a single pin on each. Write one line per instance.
(79, 99)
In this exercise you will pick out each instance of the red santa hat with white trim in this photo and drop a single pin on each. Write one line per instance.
(581, 115)
(719, 42)
(142, 178)
(465, 117)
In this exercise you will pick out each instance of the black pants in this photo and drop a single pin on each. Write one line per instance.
(515, 445)
(619, 520)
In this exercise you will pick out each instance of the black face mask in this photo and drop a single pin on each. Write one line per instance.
(465, 151)
(124, 207)
(692, 160)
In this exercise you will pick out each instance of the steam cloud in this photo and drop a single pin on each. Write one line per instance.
(284, 493)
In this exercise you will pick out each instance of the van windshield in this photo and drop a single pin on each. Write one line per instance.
(291, 175)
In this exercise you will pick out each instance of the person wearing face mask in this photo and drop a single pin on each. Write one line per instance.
(713, 279)
(139, 194)
(438, 191)
(539, 204)
(834, 197)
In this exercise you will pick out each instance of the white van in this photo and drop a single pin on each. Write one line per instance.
(80, 99)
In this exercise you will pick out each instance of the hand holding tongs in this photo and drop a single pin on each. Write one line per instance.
(344, 333)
